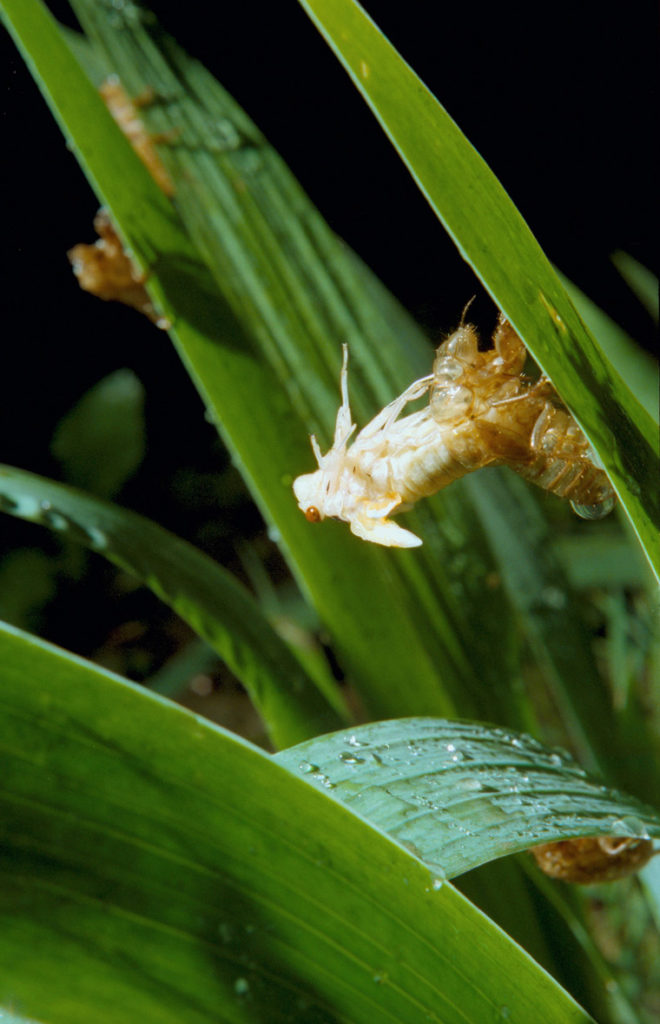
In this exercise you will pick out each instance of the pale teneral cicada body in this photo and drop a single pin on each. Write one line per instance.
(482, 411)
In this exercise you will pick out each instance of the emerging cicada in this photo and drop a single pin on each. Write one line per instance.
(482, 411)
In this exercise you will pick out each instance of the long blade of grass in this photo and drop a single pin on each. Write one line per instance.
(204, 594)
(460, 794)
(642, 281)
(156, 868)
(493, 237)
(638, 368)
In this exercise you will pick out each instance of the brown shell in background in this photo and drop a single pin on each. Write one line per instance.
(592, 860)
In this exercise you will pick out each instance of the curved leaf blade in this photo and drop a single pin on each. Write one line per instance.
(460, 794)
(494, 239)
(204, 594)
(156, 868)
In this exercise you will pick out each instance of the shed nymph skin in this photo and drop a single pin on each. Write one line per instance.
(482, 411)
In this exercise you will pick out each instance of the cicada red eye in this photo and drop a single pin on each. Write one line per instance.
(312, 514)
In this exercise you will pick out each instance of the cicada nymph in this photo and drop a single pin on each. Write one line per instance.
(591, 860)
(104, 268)
(125, 112)
(482, 411)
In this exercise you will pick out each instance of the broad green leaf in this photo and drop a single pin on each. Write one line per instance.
(493, 237)
(206, 596)
(101, 442)
(156, 868)
(459, 794)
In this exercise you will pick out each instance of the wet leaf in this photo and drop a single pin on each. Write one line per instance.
(459, 794)
(155, 868)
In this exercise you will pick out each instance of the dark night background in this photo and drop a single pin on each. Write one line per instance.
(559, 99)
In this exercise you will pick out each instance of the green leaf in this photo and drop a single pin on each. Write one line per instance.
(642, 281)
(551, 616)
(459, 794)
(27, 583)
(206, 596)
(493, 237)
(101, 442)
(155, 868)
(639, 369)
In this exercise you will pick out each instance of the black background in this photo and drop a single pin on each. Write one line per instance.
(558, 99)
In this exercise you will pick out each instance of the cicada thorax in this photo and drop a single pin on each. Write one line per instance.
(472, 395)
(493, 415)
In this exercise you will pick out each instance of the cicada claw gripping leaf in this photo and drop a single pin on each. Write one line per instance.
(481, 411)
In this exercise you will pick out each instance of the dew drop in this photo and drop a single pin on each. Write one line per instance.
(597, 511)
(324, 779)
(553, 597)
(306, 767)
(97, 538)
(51, 517)
(241, 986)
(630, 826)
(349, 758)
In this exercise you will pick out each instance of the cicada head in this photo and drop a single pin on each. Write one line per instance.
(309, 492)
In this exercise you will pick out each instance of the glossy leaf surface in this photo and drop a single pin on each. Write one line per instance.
(159, 869)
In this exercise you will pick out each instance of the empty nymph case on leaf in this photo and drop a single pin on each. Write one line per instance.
(482, 411)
